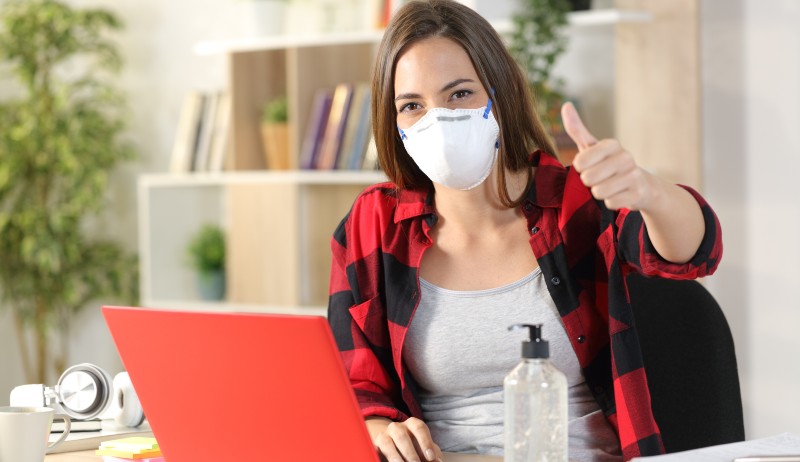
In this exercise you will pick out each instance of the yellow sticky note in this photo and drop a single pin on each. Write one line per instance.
(128, 454)
(134, 447)
(132, 444)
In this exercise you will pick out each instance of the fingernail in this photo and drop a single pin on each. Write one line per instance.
(429, 454)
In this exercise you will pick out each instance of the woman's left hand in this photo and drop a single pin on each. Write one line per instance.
(674, 221)
(607, 169)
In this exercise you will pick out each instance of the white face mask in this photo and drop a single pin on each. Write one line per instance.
(454, 147)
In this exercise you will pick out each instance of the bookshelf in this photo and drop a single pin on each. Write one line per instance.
(262, 68)
(278, 226)
(278, 223)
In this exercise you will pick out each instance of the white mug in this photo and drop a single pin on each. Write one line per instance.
(24, 433)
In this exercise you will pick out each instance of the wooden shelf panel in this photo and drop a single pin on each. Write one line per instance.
(248, 73)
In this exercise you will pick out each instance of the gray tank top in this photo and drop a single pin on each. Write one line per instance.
(459, 350)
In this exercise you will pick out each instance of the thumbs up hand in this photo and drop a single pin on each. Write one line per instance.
(607, 169)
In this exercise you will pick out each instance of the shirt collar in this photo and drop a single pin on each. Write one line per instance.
(549, 180)
(413, 202)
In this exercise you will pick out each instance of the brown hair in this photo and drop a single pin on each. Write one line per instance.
(521, 131)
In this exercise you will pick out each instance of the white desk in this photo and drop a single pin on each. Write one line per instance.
(786, 443)
(84, 451)
(88, 456)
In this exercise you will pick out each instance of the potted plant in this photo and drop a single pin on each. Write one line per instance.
(207, 255)
(263, 17)
(537, 41)
(275, 133)
(59, 141)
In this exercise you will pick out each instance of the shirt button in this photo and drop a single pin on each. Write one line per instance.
(555, 280)
(534, 230)
(527, 207)
(581, 338)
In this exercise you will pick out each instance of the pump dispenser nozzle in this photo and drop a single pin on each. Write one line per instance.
(535, 347)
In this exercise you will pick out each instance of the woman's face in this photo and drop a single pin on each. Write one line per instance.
(435, 72)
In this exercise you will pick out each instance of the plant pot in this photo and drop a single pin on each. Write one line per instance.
(275, 140)
(264, 17)
(211, 285)
(310, 17)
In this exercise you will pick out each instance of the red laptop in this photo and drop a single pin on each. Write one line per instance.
(240, 386)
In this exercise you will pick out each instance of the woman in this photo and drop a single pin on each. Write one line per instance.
(480, 227)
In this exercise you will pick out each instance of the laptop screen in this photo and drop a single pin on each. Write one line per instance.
(240, 386)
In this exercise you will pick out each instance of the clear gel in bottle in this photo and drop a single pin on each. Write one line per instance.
(535, 394)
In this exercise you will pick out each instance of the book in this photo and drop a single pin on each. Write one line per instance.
(92, 425)
(334, 130)
(183, 148)
(83, 441)
(315, 128)
(363, 135)
(371, 156)
(353, 125)
(387, 10)
(206, 132)
(219, 140)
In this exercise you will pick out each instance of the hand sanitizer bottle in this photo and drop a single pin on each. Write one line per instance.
(535, 395)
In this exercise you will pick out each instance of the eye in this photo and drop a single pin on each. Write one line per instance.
(408, 107)
(459, 94)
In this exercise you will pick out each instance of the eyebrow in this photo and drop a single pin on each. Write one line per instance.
(450, 85)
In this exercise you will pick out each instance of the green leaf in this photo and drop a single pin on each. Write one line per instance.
(207, 249)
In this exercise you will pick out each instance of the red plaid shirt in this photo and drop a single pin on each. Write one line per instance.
(584, 250)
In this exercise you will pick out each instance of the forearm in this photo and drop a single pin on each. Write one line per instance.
(674, 222)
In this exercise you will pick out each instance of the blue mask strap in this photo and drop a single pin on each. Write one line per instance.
(486, 116)
(402, 133)
(488, 107)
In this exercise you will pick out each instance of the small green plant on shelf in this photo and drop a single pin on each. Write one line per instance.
(275, 133)
(276, 111)
(206, 252)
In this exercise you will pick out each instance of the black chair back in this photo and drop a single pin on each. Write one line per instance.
(690, 362)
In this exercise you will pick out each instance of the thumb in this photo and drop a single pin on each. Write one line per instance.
(575, 128)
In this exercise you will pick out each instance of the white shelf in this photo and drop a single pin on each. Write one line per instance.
(607, 17)
(302, 177)
(589, 18)
(599, 17)
(280, 42)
